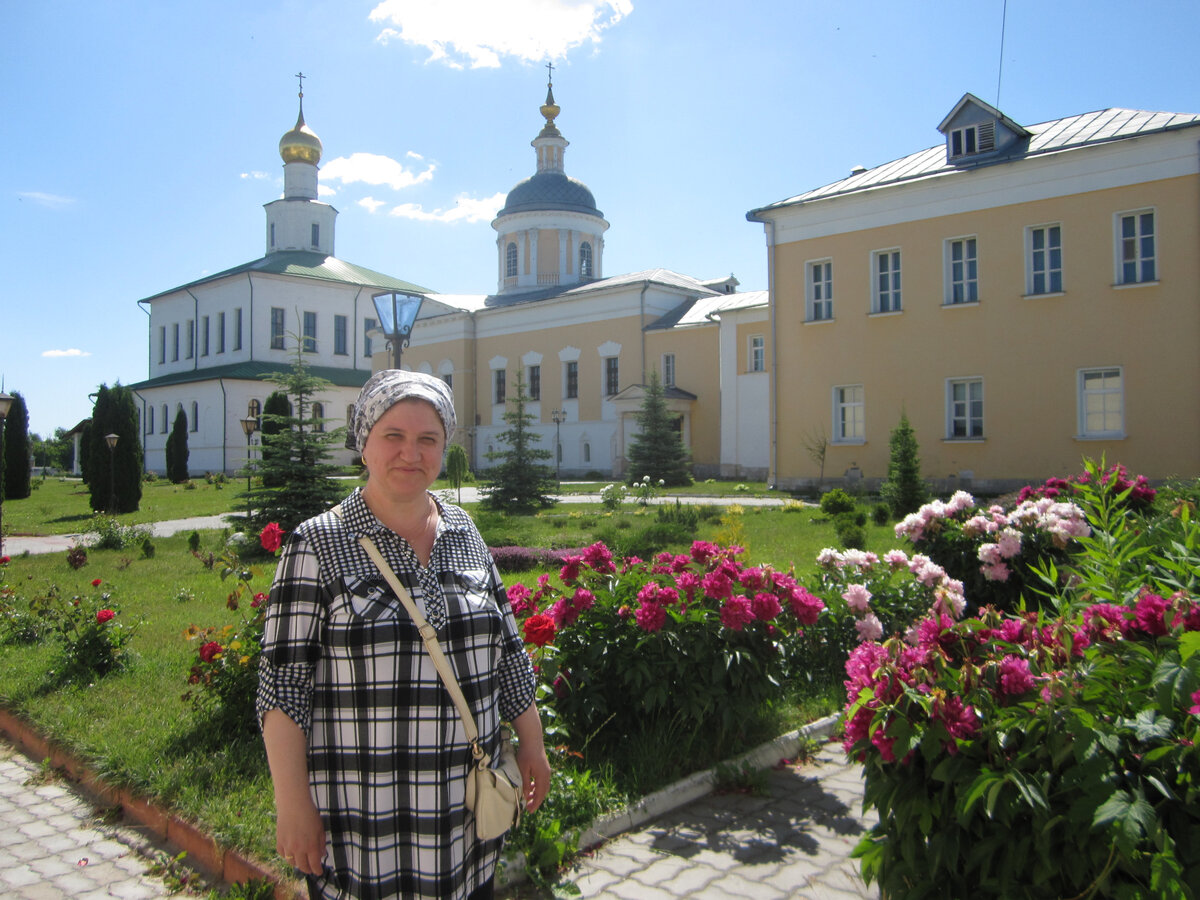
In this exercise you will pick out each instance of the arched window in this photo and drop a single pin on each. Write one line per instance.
(166, 422)
(253, 409)
(587, 452)
(195, 423)
(510, 260)
(585, 260)
(318, 413)
(149, 420)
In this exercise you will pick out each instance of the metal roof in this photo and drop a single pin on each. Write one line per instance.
(254, 370)
(707, 310)
(1073, 132)
(550, 191)
(306, 264)
(664, 277)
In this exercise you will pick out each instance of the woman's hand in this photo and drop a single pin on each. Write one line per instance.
(299, 832)
(531, 758)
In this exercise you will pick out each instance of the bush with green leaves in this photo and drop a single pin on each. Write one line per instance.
(109, 534)
(1047, 753)
(92, 638)
(837, 501)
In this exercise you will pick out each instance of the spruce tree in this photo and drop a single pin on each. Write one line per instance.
(16, 450)
(904, 491)
(657, 450)
(521, 483)
(297, 481)
(275, 410)
(116, 475)
(177, 449)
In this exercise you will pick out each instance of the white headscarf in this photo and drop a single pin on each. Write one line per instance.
(385, 389)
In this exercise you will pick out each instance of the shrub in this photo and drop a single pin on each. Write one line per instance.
(685, 516)
(850, 530)
(77, 557)
(903, 490)
(694, 639)
(880, 514)
(91, 636)
(613, 495)
(1046, 754)
(514, 559)
(837, 501)
(644, 542)
(112, 535)
(148, 548)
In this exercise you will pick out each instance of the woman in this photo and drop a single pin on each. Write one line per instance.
(368, 755)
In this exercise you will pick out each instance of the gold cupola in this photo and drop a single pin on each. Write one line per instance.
(300, 144)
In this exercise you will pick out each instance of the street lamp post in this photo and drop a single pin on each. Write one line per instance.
(249, 425)
(397, 312)
(111, 440)
(558, 416)
(6, 401)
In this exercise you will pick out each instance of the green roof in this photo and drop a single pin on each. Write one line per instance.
(304, 264)
(255, 371)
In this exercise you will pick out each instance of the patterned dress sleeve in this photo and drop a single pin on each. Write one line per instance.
(518, 683)
(291, 645)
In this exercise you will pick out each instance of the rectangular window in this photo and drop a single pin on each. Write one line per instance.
(820, 290)
(316, 235)
(204, 336)
(190, 348)
(237, 329)
(175, 342)
(499, 378)
(572, 380)
(848, 423)
(339, 335)
(220, 332)
(612, 378)
(886, 270)
(150, 419)
(1101, 403)
(162, 343)
(962, 271)
(1135, 248)
(1043, 260)
(758, 353)
(310, 332)
(535, 382)
(449, 379)
(964, 408)
(369, 325)
(276, 328)
(668, 370)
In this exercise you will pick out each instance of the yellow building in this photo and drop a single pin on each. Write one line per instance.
(1029, 296)
(583, 344)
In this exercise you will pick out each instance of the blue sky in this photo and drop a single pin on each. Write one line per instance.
(141, 138)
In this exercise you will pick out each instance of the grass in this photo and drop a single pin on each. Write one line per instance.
(134, 728)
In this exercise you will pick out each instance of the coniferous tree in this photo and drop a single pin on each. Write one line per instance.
(115, 478)
(177, 449)
(297, 481)
(904, 491)
(16, 450)
(521, 483)
(85, 453)
(276, 409)
(457, 468)
(657, 450)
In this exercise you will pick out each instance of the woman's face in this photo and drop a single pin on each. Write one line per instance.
(403, 453)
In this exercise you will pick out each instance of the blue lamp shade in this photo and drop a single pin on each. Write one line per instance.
(397, 312)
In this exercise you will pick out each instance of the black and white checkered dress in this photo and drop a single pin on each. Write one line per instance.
(387, 753)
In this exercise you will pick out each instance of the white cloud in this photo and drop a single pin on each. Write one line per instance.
(478, 33)
(257, 176)
(51, 201)
(370, 204)
(371, 168)
(325, 191)
(71, 352)
(465, 209)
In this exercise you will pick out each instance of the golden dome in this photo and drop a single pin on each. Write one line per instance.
(300, 144)
(550, 109)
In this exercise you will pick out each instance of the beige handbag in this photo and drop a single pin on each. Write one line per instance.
(493, 794)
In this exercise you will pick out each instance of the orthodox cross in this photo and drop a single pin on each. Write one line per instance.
(301, 76)
(550, 69)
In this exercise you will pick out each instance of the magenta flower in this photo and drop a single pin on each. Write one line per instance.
(717, 585)
(650, 616)
(736, 613)
(1015, 677)
(569, 573)
(1149, 614)
(804, 605)
(599, 557)
(765, 606)
(704, 551)
(1195, 707)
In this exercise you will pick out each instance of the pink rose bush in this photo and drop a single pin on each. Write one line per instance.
(698, 637)
(1046, 752)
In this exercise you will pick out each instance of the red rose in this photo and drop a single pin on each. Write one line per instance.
(209, 651)
(95, 582)
(539, 630)
(104, 615)
(4, 560)
(271, 537)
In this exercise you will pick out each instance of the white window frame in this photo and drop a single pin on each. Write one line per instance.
(1040, 261)
(849, 414)
(969, 278)
(309, 328)
(1130, 249)
(886, 281)
(571, 381)
(531, 381)
(369, 325)
(510, 259)
(818, 290)
(757, 353)
(585, 260)
(1110, 397)
(611, 372)
(499, 386)
(668, 370)
(961, 409)
(278, 327)
(341, 344)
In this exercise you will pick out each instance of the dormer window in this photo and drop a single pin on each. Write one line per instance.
(973, 139)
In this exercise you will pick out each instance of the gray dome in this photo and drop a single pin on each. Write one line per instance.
(547, 191)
